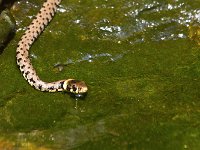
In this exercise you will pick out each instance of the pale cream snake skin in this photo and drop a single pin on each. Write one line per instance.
(32, 32)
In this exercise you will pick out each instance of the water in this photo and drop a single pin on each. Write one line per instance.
(141, 68)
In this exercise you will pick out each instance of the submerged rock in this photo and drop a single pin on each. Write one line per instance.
(7, 28)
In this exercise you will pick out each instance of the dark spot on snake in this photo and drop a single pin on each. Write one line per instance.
(26, 73)
(22, 66)
(54, 9)
(47, 19)
(61, 85)
(51, 14)
(34, 36)
(17, 52)
(19, 59)
(29, 44)
(40, 87)
(31, 80)
(34, 86)
(41, 27)
(51, 88)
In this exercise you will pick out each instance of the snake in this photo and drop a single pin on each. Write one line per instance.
(36, 27)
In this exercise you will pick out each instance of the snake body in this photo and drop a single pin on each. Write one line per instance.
(36, 27)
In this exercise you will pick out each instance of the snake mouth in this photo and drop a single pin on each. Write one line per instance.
(78, 96)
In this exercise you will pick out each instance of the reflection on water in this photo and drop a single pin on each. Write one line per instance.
(90, 58)
(135, 22)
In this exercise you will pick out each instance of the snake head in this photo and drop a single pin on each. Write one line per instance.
(75, 86)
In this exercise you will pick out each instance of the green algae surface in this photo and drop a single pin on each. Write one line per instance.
(141, 69)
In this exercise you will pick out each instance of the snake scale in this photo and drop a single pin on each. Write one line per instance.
(32, 32)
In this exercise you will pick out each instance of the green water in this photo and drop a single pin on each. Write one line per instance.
(141, 68)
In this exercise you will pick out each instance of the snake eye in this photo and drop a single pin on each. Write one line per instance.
(74, 88)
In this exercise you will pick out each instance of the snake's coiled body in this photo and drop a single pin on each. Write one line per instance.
(36, 27)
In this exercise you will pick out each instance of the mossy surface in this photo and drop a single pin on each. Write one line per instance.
(142, 70)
